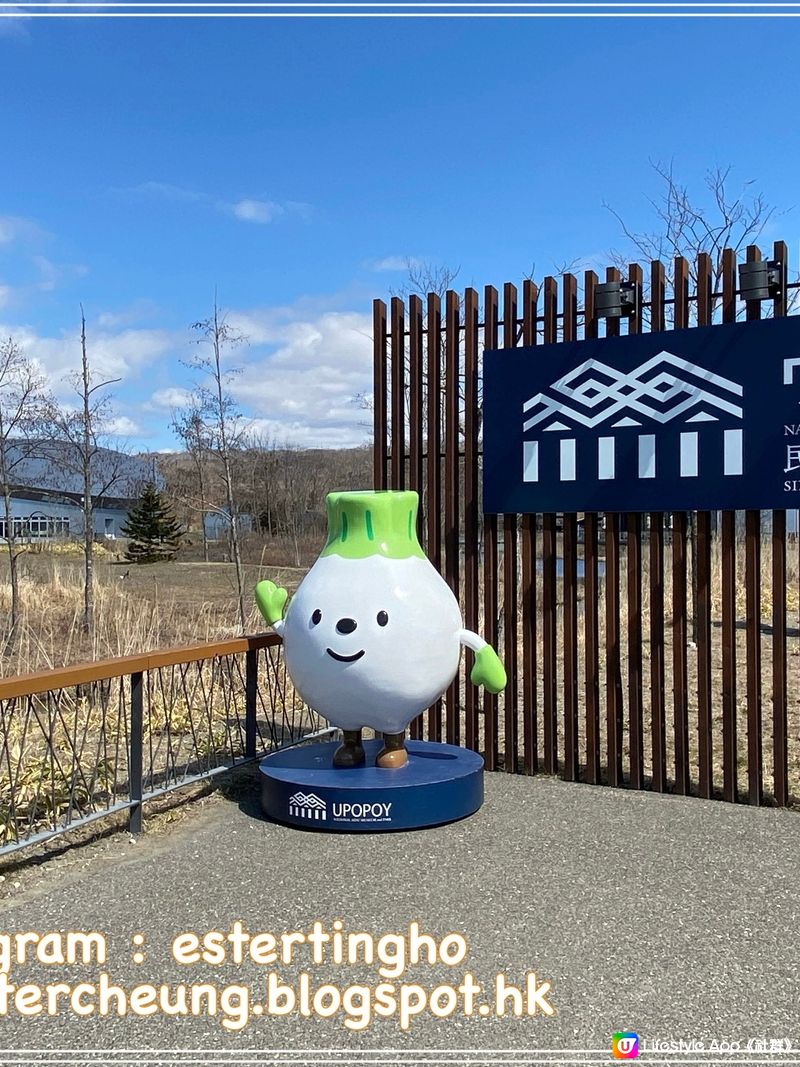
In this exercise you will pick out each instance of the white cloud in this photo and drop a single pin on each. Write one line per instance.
(138, 311)
(247, 209)
(302, 390)
(300, 371)
(123, 426)
(121, 354)
(112, 355)
(395, 263)
(263, 211)
(163, 191)
(50, 277)
(52, 274)
(301, 435)
(170, 398)
(259, 326)
(15, 228)
(256, 210)
(33, 273)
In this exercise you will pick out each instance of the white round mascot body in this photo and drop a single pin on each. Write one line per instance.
(373, 634)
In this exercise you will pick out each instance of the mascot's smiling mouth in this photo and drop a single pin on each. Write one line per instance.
(345, 659)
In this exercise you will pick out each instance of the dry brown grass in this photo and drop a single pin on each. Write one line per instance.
(137, 608)
(64, 753)
(143, 608)
(627, 654)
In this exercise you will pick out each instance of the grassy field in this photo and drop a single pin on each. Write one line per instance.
(65, 752)
(138, 608)
(761, 672)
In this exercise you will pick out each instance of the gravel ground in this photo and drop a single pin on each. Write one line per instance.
(674, 917)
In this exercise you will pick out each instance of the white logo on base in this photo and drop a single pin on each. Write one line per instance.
(307, 806)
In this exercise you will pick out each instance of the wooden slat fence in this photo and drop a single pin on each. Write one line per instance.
(658, 651)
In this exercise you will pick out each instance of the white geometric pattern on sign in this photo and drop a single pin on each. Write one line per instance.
(652, 391)
(307, 806)
(789, 367)
(644, 392)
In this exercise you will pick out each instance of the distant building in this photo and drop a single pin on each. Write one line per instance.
(47, 492)
(217, 524)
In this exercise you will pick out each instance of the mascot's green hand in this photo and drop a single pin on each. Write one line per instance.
(271, 601)
(488, 670)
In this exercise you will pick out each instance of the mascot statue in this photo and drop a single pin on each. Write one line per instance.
(373, 634)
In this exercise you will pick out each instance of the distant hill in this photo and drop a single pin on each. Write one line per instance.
(51, 466)
(283, 489)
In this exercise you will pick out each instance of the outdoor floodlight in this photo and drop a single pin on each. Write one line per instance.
(614, 300)
(759, 281)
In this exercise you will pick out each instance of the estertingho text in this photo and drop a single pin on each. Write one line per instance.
(236, 1005)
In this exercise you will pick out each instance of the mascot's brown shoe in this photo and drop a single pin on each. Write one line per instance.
(393, 754)
(351, 752)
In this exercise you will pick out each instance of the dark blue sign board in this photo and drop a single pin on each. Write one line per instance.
(705, 418)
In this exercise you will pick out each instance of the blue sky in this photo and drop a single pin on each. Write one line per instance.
(292, 164)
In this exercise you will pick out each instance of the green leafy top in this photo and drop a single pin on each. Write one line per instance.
(380, 523)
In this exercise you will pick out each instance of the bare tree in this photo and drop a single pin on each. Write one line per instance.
(256, 478)
(190, 427)
(688, 222)
(80, 431)
(425, 277)
(299, 492)
(422, 278)
(23, 407)
(221, 421)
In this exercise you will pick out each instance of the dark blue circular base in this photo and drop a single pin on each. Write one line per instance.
(439, 784)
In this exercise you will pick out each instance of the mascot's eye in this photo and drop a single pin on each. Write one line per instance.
(316, 618)
(383, 618)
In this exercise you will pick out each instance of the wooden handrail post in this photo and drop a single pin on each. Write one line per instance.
(251, 691)
(100, 670)
(135, 754)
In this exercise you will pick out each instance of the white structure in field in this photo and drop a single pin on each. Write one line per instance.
(47, 491)
(663, 389)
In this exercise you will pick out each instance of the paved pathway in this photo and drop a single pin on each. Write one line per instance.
(676, 918)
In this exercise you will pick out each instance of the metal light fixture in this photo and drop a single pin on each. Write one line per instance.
(615, 300)
(760, 280)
